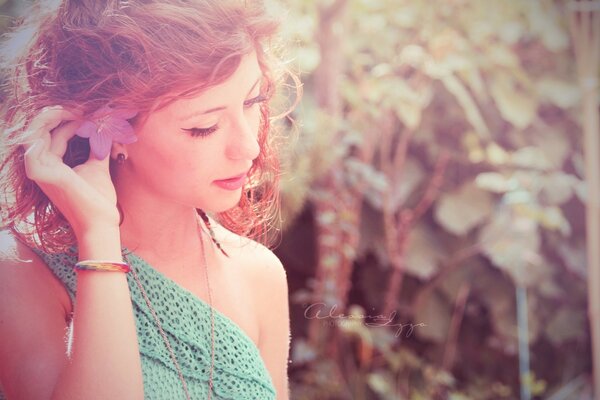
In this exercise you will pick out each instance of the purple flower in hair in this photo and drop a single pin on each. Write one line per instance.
(105, 126)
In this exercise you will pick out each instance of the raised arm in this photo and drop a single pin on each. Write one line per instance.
(105, 360)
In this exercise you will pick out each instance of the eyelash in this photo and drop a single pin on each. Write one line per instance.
(203, 132)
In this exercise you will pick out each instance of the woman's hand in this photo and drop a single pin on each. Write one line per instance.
(84, 194)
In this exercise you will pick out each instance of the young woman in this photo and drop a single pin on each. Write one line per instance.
(125, 124)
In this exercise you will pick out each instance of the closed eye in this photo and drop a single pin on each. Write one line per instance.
(203, 132)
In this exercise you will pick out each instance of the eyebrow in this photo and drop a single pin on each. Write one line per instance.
(210, 110)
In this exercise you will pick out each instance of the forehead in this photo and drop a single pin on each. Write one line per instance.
(232, 89)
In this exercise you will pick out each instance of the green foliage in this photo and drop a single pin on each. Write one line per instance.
(492, 83)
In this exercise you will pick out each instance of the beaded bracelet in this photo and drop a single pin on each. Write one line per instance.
(96, 265)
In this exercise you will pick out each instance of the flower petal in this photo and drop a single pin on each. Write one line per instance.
(100, 144)
(86, 129)
(120, 130)
(102, 112)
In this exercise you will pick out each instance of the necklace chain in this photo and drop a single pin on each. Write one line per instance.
(164, 336)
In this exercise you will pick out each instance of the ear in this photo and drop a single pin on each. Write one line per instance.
(116, 149)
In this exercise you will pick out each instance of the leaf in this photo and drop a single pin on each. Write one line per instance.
(361, 175)
(558, 92)
(496, 182)
(554, 144)
(531, 157)
(469, 106)
(500, 55)
(581, 191)
(550, 217)
(327, 217)
(449, 50)
(422, 254)
(537, 386)
(512, 243)
(472, 145)
(407, 102)
(496, 155)
(409, 113)
(511, 32)
(462, 210)
(404, 184)
(547, 23)
(553, 218)
(579, 164)
(412, 55)
(515, 105)
(574, 257)
(382, 382)
(458, 396)
(472, 77)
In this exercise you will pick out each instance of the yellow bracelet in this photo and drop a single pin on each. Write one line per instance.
(96, 265)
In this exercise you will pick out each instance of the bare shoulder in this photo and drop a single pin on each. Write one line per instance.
(22, 270)
(264, 267)
(255, 256)
(32, 322)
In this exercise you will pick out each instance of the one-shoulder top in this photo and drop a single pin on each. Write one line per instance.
(239, 371)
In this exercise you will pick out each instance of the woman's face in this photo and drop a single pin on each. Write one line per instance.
(196, 151)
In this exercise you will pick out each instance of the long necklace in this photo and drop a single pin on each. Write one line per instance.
(164, 336)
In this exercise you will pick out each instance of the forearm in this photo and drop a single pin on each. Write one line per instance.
(105, 360)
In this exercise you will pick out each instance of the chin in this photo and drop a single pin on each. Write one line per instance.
(223, 203)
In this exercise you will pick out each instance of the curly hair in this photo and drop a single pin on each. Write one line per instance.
(137, 54)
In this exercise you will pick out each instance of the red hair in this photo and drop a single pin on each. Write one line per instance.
(135, 54)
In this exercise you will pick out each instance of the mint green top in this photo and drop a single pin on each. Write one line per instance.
(239, 371)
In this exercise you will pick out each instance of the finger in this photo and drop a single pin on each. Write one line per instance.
(60, 137)
(31, 159)
(50, 117)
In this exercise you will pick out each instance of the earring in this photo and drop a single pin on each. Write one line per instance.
(210, 230)
(121, 158)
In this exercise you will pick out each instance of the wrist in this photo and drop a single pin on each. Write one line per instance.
(100, 243)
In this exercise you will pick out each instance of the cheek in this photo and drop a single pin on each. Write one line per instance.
(156, 158)
(174, 159)
(255, 121)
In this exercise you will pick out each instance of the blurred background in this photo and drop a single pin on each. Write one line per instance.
(434, 198)
(434, 202)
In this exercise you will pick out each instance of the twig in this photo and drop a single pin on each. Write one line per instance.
(457, 317)
(405, 222)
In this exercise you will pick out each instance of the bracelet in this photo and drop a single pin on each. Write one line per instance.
(96, 265)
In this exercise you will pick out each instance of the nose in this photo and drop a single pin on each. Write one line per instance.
(243, 142)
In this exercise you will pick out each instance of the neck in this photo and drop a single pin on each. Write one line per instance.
(157, 228)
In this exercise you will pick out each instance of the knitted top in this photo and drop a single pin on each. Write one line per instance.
(239, 371)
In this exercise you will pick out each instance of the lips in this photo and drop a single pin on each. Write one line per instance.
(233, 178)
(232, 183)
